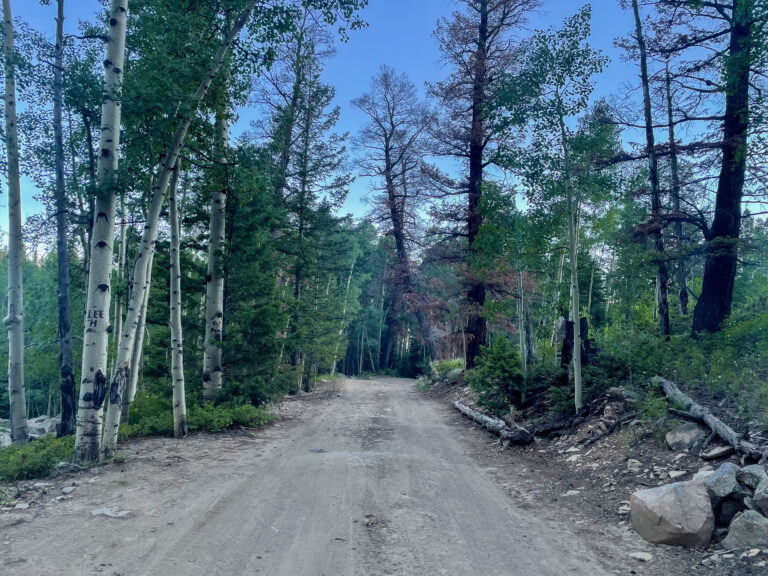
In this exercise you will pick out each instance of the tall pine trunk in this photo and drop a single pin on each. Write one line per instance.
(14, 321)
(477, 328)
(145, 250)
(714, 304)
(177, 340)
(682, 272)
(214, 293)
(662, 274)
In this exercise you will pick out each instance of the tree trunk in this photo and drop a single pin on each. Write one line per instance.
(118, 325)
(177, 341)
(146, 247)
(682, 272)
(93, 380)
(714, 304)
(477, 329)
(214, 293)
(573, 251)
(662, 275)
(67, 373)
(521, 331)
(138, 348)
(343, 318)
(14, 321)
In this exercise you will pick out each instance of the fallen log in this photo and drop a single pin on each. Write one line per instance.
(695, 411)
(508, 434)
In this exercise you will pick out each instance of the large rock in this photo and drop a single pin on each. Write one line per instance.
(726, 493)
(751, 476)
(678, 514)
(761, 496)
(42, 425)
(749, 530)
(723, 483)
(685, 437)
(454, 377)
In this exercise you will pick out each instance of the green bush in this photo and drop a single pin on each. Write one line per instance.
(498, 379)
(251, 416)
(152, 415)
(36, 459)
(440, 368)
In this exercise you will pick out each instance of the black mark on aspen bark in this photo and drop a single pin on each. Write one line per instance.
(99, 389)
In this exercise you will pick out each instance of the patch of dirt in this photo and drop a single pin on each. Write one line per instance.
(589, 475)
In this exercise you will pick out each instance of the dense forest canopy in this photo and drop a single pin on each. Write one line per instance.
(552, 242)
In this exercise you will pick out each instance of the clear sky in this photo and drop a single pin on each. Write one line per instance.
(399, 35)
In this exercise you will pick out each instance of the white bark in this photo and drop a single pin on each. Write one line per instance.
(138, 347)
(343, 319)
(573, 251)
(177, 340)
(146, 248)
(118, 325)
(14, 321)
(214, 294)
(93, 380)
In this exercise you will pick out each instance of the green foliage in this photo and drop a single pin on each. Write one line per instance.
(152, 415)
(653, 407)
(440, 368)
(250, 416)
(36, 459)
(498, 379)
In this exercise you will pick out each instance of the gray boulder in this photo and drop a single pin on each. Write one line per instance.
(454, 376)
(751, 476)
(726, 494)
(749, 530)
(678, 514)
(723, 483)
(685, 437)
(761, 496)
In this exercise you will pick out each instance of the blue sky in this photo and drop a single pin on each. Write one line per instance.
(399, 35)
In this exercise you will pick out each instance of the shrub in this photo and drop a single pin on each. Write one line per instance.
(498, 379)
(36, 459)
(440, 368)
(152, 415)
(251, 416)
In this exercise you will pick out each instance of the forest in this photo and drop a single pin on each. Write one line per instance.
(186, 276)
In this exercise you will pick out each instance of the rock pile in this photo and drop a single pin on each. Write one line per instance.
(729, 501)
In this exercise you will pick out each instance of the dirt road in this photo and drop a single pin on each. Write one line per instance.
(368, 482)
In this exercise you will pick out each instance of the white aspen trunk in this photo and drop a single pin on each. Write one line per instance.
(138, 348)
(177, 340)
(573, 250)
(575, 306)
(343, 319)
(146, 248)
(214, 294)
(14, 321)
(93, 382)
(118, 325)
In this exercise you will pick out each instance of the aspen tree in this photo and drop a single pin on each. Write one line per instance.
(214, 293)
(140, 284)
(177, 340)
(93, 380)
(14, 320)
